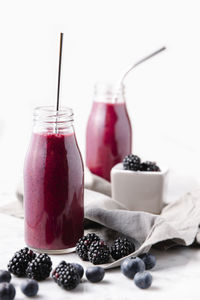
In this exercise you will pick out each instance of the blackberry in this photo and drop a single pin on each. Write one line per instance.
(66, 276)
(131, 162)
(98, 253)
(149, 166)
(39, 268)
(19, 262)
(84, 243)
(121, 248)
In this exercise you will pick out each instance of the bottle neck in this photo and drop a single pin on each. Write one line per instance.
(47, 119)
(109, 93)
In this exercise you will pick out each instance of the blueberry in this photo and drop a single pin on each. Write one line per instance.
(149, 260)
(5, 276)
(132, 265)
(79, 269)
(29, 287)
(143, 280)
(95, 274)
(7, 291)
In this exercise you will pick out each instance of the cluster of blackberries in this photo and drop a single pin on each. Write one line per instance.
(26, 263)
(135, 268)
(91, 247)
(38, 267)
(133, 163)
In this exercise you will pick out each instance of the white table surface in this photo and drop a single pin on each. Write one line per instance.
(177, 273)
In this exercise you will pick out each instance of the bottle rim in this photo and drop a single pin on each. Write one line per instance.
(49, 114)
(108, 92)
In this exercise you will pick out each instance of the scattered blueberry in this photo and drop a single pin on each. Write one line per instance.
(29, 287)
(79, 269)
(95, 274)
(7, 291)
(5, 276)
(132, 265)
(143, 280)
(149, 260)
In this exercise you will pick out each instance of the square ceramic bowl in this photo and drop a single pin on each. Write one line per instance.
(140, 191)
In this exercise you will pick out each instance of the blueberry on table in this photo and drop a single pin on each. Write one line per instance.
(5, 276)
(149, 260)
(29, 287)
(95, 274)
(79, 269)
(7, 291)
(143, 280)
(132, 265)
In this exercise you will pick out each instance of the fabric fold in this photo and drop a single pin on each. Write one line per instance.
(178, 223)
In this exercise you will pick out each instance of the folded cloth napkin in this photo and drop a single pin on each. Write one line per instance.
(178, 223)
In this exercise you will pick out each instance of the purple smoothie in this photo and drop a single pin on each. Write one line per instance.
(53, 192)
(108, 137)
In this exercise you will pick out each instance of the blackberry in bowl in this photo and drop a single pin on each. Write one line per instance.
(131, 162)
(139, 186)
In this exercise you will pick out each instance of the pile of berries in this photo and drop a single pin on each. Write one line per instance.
(25, 263)
(133, 163)
(135, 268)
(68, 275)
(91, 248)
(7, 290)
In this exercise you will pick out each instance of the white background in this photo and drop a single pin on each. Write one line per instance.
(102, 38)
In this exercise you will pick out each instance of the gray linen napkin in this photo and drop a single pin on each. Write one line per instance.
(178, 223)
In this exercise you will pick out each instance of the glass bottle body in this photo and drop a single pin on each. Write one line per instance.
(109, 132)
(53, 184)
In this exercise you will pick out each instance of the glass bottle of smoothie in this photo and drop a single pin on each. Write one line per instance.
(53, 183)
(109, 132)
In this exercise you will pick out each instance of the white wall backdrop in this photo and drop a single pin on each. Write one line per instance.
(102, 38)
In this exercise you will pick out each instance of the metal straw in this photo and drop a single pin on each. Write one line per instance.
(59, 76)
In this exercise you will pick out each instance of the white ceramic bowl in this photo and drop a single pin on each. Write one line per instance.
(136, 190)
